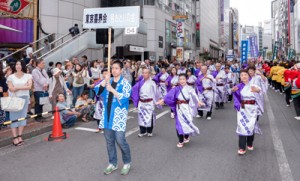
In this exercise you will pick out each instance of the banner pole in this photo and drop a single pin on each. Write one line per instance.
(109, 49)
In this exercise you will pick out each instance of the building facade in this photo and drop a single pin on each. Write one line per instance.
(161, 28)
(209, 16)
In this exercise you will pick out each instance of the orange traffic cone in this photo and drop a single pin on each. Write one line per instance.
(57, 134)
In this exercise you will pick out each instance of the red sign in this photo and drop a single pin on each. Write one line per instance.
(13, 6)
(197, 26)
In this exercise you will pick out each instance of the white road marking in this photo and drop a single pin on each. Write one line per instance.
(284, 167)
(87, 129)
(134, 130)
(129, 117)
(132, 109)
(128, 133)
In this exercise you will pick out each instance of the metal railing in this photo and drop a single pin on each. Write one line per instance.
(62, 43)
(24, 48)
(54, 44)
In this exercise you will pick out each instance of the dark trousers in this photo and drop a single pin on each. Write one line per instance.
(274, 83)
(245, 140)
(288, 95)
(208, 114)
(297, 105)
(279, 87)
(181, 137)
(144, 130)
(270, 81)
(219, 105)
(37, 107)
(230, 97)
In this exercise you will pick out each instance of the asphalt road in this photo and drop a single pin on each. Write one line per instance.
(211, 156)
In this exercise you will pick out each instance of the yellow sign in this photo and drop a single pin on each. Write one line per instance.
(176, 17)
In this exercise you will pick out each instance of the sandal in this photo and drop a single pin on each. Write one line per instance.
(16, 144)
(21, 142)
(84, 119)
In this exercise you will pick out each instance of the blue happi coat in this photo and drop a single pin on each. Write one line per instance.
(119, 107)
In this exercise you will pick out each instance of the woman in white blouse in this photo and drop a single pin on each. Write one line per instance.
(95, 71)
(19, 84)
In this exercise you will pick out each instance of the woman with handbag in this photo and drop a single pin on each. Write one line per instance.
(19, 84)
(78, 83)
(57, 85)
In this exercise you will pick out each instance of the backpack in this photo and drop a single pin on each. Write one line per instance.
(49, 72)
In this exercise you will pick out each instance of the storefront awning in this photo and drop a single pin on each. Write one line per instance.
(8, 28)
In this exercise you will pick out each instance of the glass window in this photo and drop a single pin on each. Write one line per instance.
(149, 2)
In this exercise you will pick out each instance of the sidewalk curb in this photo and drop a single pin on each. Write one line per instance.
(35, 132)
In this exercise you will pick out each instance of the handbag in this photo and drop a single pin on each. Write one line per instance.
(44, 98)
(66, 117)
(79, 79)
(12, 104)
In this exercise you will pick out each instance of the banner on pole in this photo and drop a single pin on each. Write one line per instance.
(253, 47)
(275, 51)
(244, 50)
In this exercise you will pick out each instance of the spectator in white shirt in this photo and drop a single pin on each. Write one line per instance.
(95, 70)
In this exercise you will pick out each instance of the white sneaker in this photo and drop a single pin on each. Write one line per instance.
(52, 117)
(186, 140)
(250, 148)
(197, 116)
(172, 115)
(298, 118)
(288, 105)
(208, 118)
(179, 145)
(142, 135)
(150, 134)
(291, 100)
(241, 152)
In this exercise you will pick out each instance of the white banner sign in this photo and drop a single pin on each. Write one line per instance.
(119, 17)
(136, 49)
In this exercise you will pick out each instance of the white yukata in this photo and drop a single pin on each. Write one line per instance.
(162, 84)
(212, 68)
(186, 112)
(174, 81)
(146, 110)
(220, 91)
(181, 71)
(230, 82)
(207, 96)
(263, 85)
(247, 115)
(191, 81)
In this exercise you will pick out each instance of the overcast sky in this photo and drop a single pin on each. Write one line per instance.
(252, 11)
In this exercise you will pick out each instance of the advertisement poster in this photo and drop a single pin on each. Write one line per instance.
(179, 53)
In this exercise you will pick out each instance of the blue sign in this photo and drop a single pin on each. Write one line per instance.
(244, 55)
(253, 46)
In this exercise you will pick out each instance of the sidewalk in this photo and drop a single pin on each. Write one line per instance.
(32, 129)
